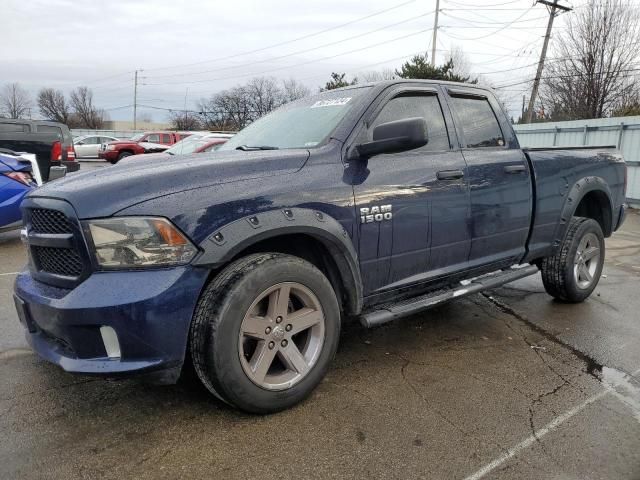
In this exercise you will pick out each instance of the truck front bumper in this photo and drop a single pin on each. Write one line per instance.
(109, 155)
(114, 323)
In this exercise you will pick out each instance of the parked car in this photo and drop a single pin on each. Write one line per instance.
(149, 142)
(88, 146)
(370, 202)
(195, 143)
(16, 181)
(51, 142)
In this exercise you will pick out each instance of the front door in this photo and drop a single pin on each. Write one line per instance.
(398, 194)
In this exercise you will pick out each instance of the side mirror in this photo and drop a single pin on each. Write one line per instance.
(79, 143)
(396, 136)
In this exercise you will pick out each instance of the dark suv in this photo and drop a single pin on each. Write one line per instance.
(51, 142)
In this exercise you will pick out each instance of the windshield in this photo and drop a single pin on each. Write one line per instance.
(188, 145)
(137, 137)
(305, 123)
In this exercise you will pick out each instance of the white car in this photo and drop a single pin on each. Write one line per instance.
(87, 146)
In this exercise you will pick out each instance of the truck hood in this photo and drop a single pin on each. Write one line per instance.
(103, 192)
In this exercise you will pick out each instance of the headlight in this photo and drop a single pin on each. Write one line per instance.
(133, 242)
(111, 147)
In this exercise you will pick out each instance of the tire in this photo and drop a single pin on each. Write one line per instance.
(124, 155)
(573, 272)
(234, 330)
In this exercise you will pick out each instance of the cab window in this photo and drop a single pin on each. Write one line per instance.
(478, 121)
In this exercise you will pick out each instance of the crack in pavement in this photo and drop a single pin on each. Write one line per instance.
(592, 365)
(408, 362)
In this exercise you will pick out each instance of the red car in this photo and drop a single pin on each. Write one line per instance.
(148, 142)
(196, 143)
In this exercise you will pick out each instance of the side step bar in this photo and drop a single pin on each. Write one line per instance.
(410, 306)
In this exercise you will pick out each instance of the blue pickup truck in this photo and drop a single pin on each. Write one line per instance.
(370, 202)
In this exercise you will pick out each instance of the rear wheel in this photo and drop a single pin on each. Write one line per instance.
(265, 331)
(573, 272)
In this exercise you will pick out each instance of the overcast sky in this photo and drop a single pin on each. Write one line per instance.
(198, 47)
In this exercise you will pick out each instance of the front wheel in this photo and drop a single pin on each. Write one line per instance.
(573, 272)
(264, 332)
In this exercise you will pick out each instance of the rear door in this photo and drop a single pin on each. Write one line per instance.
(87, 147)
(399, 197)
(499, 179)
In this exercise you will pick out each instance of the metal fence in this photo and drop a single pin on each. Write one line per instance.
(624, 132)
(122, 134)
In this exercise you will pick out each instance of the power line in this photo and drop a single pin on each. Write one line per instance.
(286, 67)
(336, 42)
(304, 37)
(552, 77)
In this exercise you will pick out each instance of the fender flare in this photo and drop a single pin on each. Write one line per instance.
(221, 246)
(574, 197)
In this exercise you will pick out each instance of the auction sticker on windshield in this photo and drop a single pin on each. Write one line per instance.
(331, 103)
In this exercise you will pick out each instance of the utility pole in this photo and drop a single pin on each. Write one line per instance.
(135, 99)
(553, 11)
(435, 35)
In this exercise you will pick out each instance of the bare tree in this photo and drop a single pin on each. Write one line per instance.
(184, 120)
(294, 90)
(14, 101)
(263, 95)
(593, 60)
(226, 110)
(461, 63)
(377, 75)
(53, 105)
(88, 115)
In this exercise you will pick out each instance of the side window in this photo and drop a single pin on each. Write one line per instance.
(166, 138)
(90, 140)
(478, 122)
(410, 106)
(14, 127)
(50, 129)
(153, 138)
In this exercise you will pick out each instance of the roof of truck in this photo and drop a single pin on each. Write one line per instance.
(386, 83)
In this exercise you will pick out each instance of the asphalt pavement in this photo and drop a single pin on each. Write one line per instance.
(509, 384)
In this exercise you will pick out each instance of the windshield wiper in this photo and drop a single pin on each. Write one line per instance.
(246, 148)
(170, 153)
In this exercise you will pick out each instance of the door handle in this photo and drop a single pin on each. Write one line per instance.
(449, 174)
(514, 169)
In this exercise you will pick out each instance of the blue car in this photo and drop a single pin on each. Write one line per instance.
(15, 182)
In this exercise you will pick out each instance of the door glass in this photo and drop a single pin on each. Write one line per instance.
(423, 106)
(50, 129)
(165, 138)
(14, 127)
(153, 138)
(478, 122)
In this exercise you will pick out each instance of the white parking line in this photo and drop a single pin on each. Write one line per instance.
(538, 434)
(9, 273)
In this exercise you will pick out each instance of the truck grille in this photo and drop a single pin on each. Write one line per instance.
(59, 261)
(56, 243)
(49, 221)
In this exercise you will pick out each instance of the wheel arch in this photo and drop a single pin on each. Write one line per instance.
(309, 234)
(589, 197)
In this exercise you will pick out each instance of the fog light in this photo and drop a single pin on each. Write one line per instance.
(110, 340)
